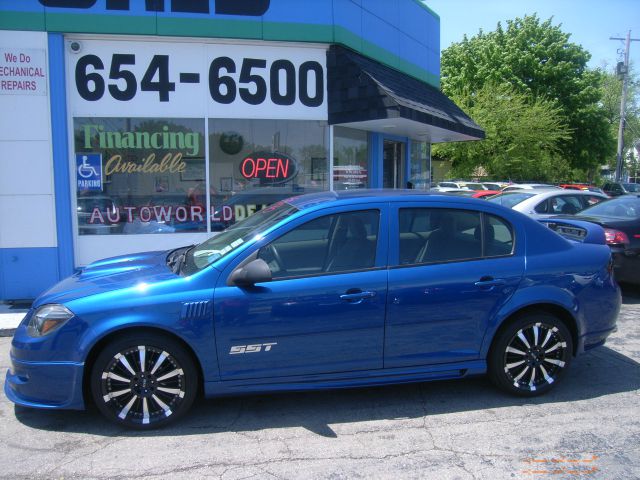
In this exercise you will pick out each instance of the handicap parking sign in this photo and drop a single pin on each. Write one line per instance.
(89, 171)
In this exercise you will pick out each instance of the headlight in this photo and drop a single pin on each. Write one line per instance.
(47, 319)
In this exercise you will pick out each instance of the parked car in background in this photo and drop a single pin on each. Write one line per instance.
(620, 218)
(484, 194)
(462, 191)
(614, 189)
(329, 290)
(580, 186)
(540, 203)
(462, 185)
(528, 186)
(494, 185)
(454, 185)
(455, 191)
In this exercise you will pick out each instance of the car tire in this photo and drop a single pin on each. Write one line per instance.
(143, 381)
(530, 355)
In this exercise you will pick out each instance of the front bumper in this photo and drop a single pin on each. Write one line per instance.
(55, 385)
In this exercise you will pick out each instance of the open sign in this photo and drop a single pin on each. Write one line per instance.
(269, 167)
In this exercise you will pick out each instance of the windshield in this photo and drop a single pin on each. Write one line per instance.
(622, 207)
(510, 199)
(631, 187)
(233, 237)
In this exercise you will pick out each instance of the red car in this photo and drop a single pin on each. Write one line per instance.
(485, 193)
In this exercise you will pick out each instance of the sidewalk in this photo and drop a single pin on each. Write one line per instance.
(10, 318)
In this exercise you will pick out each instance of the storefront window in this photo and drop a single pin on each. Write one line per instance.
(420, 168)
(254, 163)
(139, 175)
(350, 159)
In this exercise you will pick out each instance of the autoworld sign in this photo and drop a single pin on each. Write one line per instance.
(269, 167)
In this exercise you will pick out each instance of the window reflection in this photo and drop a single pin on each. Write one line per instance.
(254, 163)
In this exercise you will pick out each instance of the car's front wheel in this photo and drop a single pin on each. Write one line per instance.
(530, 355)
(143, 381)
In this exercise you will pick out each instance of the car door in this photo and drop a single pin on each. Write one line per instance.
(453, 270)
(322, 312)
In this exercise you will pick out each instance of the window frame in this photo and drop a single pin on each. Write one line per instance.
(484, 216)
(381, 249)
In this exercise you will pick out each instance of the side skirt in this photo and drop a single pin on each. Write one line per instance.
(363, 378)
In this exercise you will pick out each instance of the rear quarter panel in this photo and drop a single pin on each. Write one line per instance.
(570, 275)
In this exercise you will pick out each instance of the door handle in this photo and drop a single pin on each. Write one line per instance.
(490, 282)
(356, 296)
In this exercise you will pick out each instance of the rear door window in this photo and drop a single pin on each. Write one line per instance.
(432, 235)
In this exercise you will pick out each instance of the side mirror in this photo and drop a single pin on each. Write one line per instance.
(256, 271)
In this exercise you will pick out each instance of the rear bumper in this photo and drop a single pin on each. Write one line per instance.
(52, 385)
(626, 267)
(595, 339)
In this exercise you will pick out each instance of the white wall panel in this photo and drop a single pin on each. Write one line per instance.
(90, 248)
(24, 118)
(27, 201)
(26, 168)
(27, 221)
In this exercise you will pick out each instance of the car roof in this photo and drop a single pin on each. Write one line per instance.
(304, 202)
(552, 191)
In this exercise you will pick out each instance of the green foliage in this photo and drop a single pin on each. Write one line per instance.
(536, 60)
(522, 136)
(611, 95)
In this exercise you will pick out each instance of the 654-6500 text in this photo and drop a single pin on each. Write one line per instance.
(253, 80)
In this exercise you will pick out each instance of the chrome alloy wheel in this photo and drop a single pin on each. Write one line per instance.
(142, 385)
(535, 356)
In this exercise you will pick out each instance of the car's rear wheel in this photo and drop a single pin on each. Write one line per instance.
(531, 354)
(143, 381)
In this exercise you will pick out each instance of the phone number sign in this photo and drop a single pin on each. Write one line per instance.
(219, 81)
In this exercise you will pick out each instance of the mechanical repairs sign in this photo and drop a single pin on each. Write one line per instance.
(196, 79)
(23, 71)
(89, 171)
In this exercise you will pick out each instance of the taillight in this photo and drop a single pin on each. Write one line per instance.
(615, 236)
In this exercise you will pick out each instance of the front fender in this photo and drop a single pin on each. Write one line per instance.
(194, 330)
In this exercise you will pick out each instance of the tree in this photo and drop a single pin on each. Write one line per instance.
(611, 95)
(523, 136)
(536, 59)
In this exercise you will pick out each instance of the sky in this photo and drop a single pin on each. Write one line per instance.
(590, 22)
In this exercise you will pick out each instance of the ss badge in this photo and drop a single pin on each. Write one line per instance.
(258, 347)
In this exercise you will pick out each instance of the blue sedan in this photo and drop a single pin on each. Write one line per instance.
(328, 290)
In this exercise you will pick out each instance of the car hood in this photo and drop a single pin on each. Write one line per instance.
(109, 275)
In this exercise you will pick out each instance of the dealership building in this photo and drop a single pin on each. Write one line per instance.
(131, 125)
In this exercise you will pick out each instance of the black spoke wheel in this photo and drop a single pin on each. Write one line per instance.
(530, 355)
(143, 381)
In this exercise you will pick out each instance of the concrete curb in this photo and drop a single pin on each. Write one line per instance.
(7, 332)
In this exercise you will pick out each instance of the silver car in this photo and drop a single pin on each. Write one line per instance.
(541, 203)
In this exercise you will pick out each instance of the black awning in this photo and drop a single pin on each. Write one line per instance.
(365, 92)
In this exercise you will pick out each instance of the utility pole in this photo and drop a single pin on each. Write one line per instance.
(624, 70)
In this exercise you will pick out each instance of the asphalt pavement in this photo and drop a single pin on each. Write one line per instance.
(588, 427)
(10, 316)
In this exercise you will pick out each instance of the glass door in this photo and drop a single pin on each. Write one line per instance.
(393, 153)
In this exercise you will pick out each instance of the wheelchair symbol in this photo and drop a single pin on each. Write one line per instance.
(85, 170)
